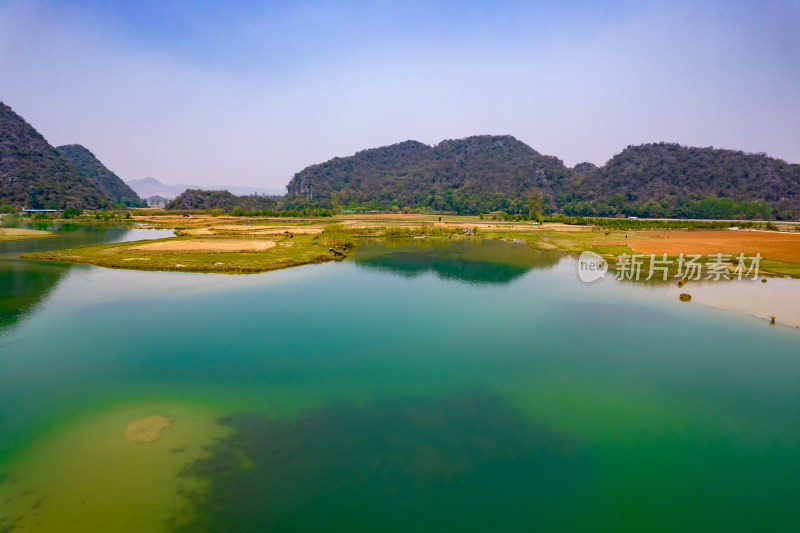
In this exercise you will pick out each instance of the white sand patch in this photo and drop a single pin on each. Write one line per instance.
(146, 429)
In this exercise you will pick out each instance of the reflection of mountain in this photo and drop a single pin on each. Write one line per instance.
(484, 262)
(22, 286)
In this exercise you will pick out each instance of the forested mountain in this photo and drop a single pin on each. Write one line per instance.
(488, 173)
(116, 189)
(34, 174)
(662, 179)
(476, 174)
(200, 199)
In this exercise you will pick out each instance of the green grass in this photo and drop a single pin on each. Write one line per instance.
(779, 268)
(288, 252)
(568, 241)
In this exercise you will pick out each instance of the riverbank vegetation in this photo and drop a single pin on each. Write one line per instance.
(230, 244)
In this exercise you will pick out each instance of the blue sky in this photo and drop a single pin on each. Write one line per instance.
(251, 92)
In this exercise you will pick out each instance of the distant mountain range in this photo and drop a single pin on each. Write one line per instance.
(150, 187)
(498, 173)
(474, 175)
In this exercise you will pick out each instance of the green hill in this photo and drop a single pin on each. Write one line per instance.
(34, 174)
(200, 199)
(108, 182)
(490, 173)
(472, 175)
(662, 179)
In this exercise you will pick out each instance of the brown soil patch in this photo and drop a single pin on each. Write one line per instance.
(206, 246)
(19, 232)
(269, 230)
(565, 227)
(401, 216)
(770, 244)
(146, 429)
(198, 231)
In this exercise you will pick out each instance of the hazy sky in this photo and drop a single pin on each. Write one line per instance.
(251, 92)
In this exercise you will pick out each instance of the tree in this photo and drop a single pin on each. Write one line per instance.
(535, 204)
(237, 211)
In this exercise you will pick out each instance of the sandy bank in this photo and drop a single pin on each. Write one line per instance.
(206, 246)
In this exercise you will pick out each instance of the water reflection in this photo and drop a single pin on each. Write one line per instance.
(24, 284)
(479, 262)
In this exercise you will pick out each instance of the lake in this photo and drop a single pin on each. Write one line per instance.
(416, 386)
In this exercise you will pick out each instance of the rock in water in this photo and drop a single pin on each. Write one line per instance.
(146, 429)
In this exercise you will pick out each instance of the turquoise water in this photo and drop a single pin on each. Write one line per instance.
(470, 387)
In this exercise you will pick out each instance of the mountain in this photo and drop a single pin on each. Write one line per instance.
(477, 174)
(34, 174)
(148, 187)
(673, 179)
(488, 173)
(107, 181)
(202, 199)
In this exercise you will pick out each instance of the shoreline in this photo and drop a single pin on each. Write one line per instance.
(19, 234)
(779, 298)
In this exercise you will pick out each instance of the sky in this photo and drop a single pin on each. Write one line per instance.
(249, 93)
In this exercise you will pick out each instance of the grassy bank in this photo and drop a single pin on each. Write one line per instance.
(18, 234)
(283, 252)
(256, 244)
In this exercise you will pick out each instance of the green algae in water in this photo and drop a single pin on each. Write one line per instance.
(464, 462)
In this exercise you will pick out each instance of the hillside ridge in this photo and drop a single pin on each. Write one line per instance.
(108, 182)
(35, 174)
(485, 173)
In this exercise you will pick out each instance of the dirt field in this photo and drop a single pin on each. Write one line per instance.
(241, 229)
(389, 216)
(206, 246)
(14, 234)
(770, 244)
(268, 230)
